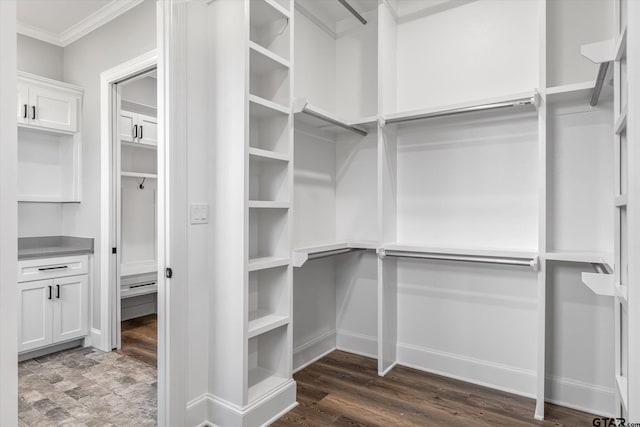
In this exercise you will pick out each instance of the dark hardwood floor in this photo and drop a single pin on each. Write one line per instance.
(140, 339)
(343, 389)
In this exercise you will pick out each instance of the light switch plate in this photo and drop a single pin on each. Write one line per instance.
(199, 213)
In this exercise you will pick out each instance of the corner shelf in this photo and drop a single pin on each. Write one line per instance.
(322, 120)
(263, 263)
(580, 257)
(267, 155)
(302, 255)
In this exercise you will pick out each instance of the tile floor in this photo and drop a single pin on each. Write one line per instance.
(87, 387)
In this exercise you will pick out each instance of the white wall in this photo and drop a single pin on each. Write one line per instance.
(141, 91)
(43, 59)
(124, 38)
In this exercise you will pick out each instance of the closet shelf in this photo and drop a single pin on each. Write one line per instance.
(317, 118)
(260, 204)
(262, 60)
(581, 257)
(268, 155)
(265, 12)
(302, 255)
(600, 284)
(510, 101)
(262, 381)
(489, 256)
(45, 199)
(139, 175)
(621, 123)
(265, 108)
(264, 263)
(139, 145)
(264, 322)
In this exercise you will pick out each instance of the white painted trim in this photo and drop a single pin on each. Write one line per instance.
(580, 396)
(389, 368)
(314, 350)
(198, 410)
(107, 79)
(80, 29)
(488, 374)
(50, 83)
(8, 218)
(363, 345)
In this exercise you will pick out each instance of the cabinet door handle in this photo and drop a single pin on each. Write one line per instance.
(50, 291)
(58, 291)
(33, 115)
(26, 107)
(140, 131)
(135, 131)
(61, 267)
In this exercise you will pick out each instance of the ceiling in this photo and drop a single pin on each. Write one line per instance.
(61, 22)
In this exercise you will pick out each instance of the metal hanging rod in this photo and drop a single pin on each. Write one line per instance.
(602, 74)
(325, 254)
(474, 108)
(353, 11)
(526, 262)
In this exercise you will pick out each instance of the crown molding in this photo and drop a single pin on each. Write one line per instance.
(92, 22)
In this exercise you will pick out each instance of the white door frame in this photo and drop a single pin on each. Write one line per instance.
(109, 264)
(8, 218)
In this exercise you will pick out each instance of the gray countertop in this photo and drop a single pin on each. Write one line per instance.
(53, 246)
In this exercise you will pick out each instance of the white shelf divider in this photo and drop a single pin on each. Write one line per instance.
(267, 107)
(264, 263)
(268, 155)
(581, 257)
(260, 204)
(263, 60)
(265, 322)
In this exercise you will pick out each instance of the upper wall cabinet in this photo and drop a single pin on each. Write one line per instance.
(49, 149)
(138, 128)
(47, 104)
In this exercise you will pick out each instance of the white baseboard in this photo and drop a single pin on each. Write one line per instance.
(313, 350)
(260, 413)
(501, 377)
(98, 340)
(198, 411)
(363, 345)
(581, 396)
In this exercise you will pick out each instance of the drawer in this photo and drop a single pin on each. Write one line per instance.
(50, 268)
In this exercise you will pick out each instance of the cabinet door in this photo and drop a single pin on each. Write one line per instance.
(148, 132)
(23, 103)
(34, 314)
(70, 308)
(53, 109)
(126, 126)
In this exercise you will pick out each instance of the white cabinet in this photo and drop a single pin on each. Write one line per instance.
(55, 307)
(49, 144)
(139, 128)
(48, 104)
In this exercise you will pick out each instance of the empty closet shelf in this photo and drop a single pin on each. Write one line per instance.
(268, 155)
(528, 99)
(580, 257)
(263, 263)
(486, 256)
(302, 255)
(264, 322)
(139, 175)
(320, 119)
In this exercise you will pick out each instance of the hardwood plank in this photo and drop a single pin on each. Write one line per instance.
(343, 389)
(140, 339)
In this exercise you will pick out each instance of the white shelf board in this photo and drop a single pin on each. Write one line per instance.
(138, 175)
(264, 322)
(135, 292)
(621, 384)
(621, 200)
(263, 381)
(268, 155)
(260, 204)
(264, 108)
(301, 255)
(264, 263)
(446, 110)
(139, 145)
(600, 284)
(580, 257)
(621, 123)
(142, 267)
(370, 122)
(262, 60)
(322, 120)
(28, 198)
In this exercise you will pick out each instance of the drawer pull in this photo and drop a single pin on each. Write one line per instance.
(50, 291)
(62, 267)
(58, 291)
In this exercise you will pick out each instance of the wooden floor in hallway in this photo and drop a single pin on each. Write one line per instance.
(140, 339)
(344, 389)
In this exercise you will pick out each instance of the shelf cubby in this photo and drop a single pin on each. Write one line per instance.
(268, 300)
(268, 180)
(268, 233)
(268, 359)
(269, 128)
(269, 26)
(269, 75)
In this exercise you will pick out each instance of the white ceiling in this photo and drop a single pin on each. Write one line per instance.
(61, 22)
